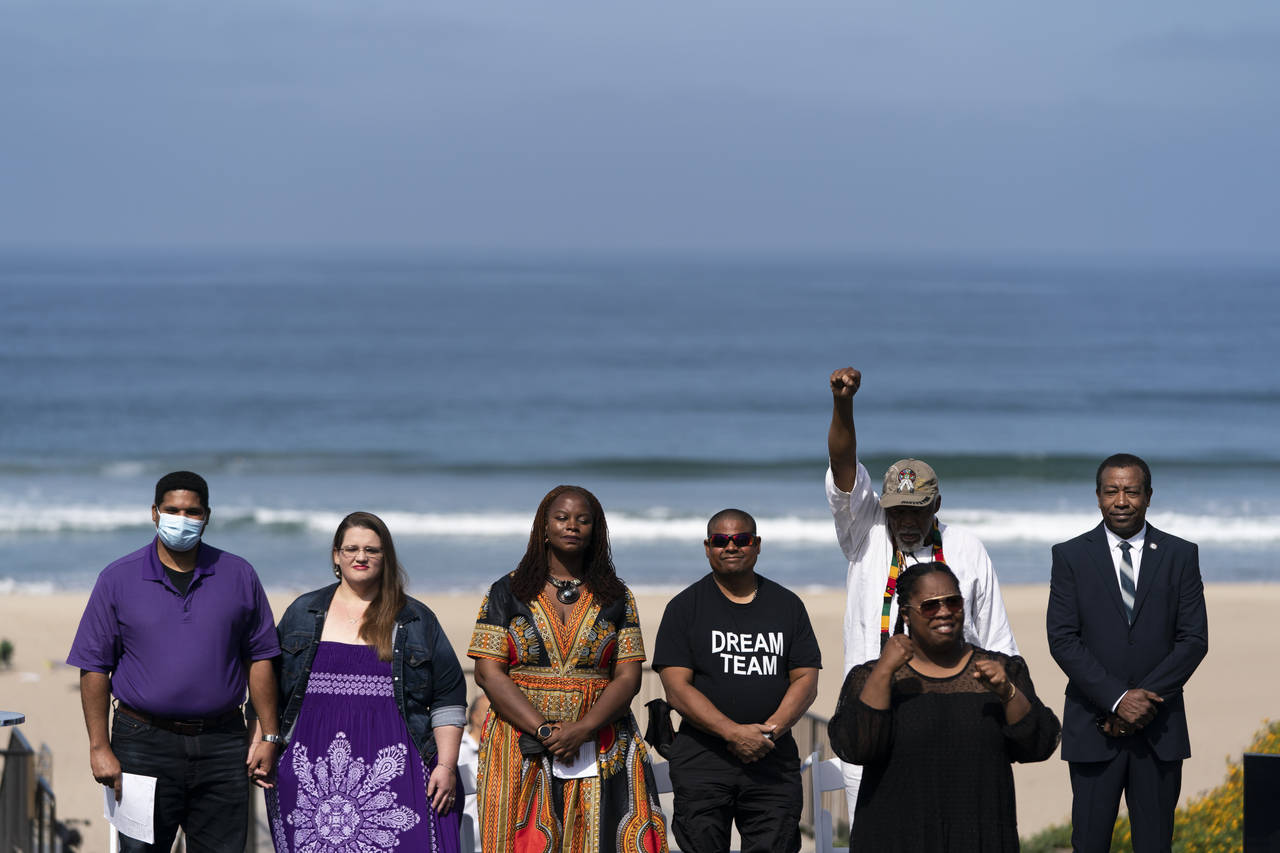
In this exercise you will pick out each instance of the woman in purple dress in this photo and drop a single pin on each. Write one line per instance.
(374, 705)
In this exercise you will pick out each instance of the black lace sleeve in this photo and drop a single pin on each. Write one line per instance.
(858, 733)
(1035, 737)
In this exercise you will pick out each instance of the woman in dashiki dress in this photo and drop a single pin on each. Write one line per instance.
(558, 649)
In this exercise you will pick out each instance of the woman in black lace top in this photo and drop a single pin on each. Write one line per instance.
(936, 723)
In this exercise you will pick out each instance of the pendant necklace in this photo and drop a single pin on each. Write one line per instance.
(567, 591)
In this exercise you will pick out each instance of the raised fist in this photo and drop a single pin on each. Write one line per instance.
(896, 653)
(845, 382)
(991, 675)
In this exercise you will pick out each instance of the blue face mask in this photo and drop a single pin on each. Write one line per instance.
(179, 533)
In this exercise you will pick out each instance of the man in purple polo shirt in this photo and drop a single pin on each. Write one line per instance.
(174, 632)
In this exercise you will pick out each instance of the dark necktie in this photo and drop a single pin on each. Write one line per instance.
(1127, 586)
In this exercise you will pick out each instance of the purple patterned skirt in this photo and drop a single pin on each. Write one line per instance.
(351, 780)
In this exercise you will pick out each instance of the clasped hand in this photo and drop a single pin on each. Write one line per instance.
(750, 742)
(1116, 727)
(566, 739)
(261, 764)
(1138, 706)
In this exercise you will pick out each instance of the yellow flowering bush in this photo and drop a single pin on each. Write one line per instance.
(1212, 823)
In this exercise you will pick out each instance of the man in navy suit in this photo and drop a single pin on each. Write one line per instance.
(1127, 624)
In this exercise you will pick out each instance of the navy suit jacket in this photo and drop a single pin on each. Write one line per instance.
(1103, 655)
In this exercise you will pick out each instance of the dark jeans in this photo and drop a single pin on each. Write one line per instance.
(201, 784)
(714, 789)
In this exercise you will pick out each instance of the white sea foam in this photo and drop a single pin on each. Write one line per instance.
(11, 586)
(29, 518)
(25, 517)
(655, 524)
(124, 469)
(1034, 527)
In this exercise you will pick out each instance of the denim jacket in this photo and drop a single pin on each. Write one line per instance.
(428, 684)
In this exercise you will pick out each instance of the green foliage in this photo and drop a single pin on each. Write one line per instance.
(1209, 824)
(840, 834)
(1050, 840)
(6, 652)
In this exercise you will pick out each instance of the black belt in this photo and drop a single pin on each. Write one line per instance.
(182, 727)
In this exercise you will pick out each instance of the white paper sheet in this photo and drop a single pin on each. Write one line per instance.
(132, 815)
(582, 766)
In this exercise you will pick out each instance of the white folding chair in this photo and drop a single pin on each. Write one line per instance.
(824, 776)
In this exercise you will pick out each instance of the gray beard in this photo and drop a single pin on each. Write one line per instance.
(922, 542)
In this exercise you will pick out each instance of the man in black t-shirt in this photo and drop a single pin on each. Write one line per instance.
(739, 661)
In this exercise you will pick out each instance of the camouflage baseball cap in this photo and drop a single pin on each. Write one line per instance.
(909, 482)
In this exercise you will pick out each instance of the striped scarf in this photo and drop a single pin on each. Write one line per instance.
(895, 568)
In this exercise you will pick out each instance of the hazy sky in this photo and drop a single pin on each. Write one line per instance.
(1083, 127)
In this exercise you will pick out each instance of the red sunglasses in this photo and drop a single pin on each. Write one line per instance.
(722, 540)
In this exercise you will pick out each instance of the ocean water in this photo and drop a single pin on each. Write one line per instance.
(449, 393)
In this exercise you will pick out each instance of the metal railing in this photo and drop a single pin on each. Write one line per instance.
(28, 807)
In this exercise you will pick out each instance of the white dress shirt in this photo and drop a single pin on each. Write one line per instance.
(864, 537)
(1137, 540)
(1135, 553)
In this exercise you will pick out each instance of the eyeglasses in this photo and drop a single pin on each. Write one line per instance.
(722, 540)
(930, 606)
(351, 550)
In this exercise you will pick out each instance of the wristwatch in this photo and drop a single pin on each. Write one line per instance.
(544, 731)
(276, 739)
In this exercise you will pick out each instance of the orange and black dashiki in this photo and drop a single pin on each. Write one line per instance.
(562, 668)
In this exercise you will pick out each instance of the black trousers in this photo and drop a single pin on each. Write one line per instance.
(713, 789)
(1150, 788)
(201, 784)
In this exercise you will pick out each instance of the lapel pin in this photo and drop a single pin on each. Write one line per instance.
(1153, 546)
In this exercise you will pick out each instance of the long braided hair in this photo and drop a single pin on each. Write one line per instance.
(598, 573)
(907, 584)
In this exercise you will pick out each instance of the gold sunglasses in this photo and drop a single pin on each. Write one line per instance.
(930, 606)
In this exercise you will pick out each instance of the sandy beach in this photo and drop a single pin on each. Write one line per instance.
(1227, 700)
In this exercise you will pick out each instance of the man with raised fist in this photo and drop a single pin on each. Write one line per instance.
(883, 534)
